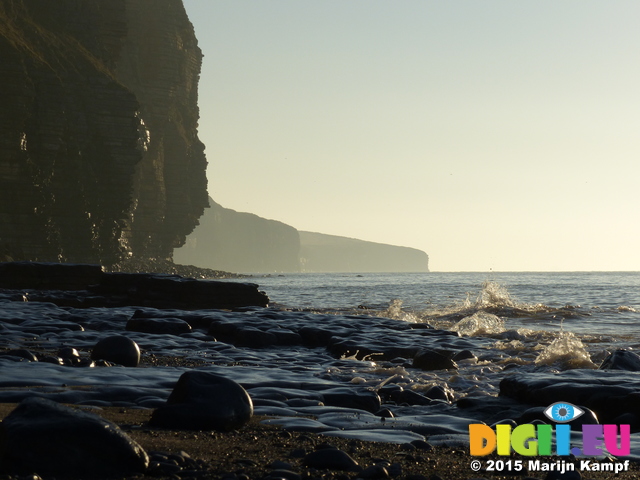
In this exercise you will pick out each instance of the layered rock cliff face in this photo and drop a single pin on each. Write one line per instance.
(241, 242)
(99, 154)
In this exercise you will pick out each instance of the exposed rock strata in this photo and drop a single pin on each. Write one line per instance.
(94, 288)
(99, 155)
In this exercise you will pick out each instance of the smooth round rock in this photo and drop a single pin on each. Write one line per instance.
(117, 349)
(204, 401)
(68, 352)
(45, 437)
(438, 392)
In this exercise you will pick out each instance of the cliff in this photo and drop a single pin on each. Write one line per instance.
(240, 242)
(244, 242)
(99, 155)
(330, 253)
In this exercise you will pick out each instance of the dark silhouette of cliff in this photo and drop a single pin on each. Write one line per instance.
(331, 253)
(99, 155)
(241, 242)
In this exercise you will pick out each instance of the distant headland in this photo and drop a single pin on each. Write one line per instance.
(244, 242)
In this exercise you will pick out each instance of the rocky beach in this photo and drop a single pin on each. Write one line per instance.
(262, 391)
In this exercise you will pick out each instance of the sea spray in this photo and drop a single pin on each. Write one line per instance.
(480, 323)
(395, 312)
(566, 350)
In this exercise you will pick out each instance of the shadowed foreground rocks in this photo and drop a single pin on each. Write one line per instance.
(44, 437)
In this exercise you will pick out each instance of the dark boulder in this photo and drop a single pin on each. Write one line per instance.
(621, 360)
(352, 398)
(45, 437)
(117, 349)
(434, 360)
(204, 401)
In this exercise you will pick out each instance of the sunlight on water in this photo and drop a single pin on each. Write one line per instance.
(566, 350)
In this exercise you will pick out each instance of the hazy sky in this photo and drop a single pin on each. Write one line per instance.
(494, 135)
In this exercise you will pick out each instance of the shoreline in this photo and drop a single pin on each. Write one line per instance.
(260, 451)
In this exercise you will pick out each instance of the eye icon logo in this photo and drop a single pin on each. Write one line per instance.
(562, 412)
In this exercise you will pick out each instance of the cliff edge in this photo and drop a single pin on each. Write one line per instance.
(244, 242)
(99, 155)
(241, 242)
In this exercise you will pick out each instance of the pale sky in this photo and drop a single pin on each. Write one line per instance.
(493, 135)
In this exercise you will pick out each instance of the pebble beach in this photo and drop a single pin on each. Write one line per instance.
(308, 394)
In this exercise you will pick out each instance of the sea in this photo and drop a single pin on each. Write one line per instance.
(590, 304)
(521, 323)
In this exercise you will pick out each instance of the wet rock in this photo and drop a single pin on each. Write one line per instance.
(438, 392)
(331, 459)
(467, 355)
(284, 336)
(42, 436)
(254, 338)
(410, 397)
(389, 389)
(117, 349)
(168, 326)
(352, 398)
(433, 360)
(621, 360)
(52, 359)
(608, 393)
(68, 352)
(315, 336)
(222, 329)
(384, 413)
(22, 353)
(173, 291)
(204, 401)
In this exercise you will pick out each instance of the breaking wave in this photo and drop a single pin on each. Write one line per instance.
(567, 351)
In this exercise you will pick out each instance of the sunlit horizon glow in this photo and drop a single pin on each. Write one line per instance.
(493, 135)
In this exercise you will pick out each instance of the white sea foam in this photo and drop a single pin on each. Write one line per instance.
(492, 295)
(566, 350)
(480, 323)
(395, 312)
